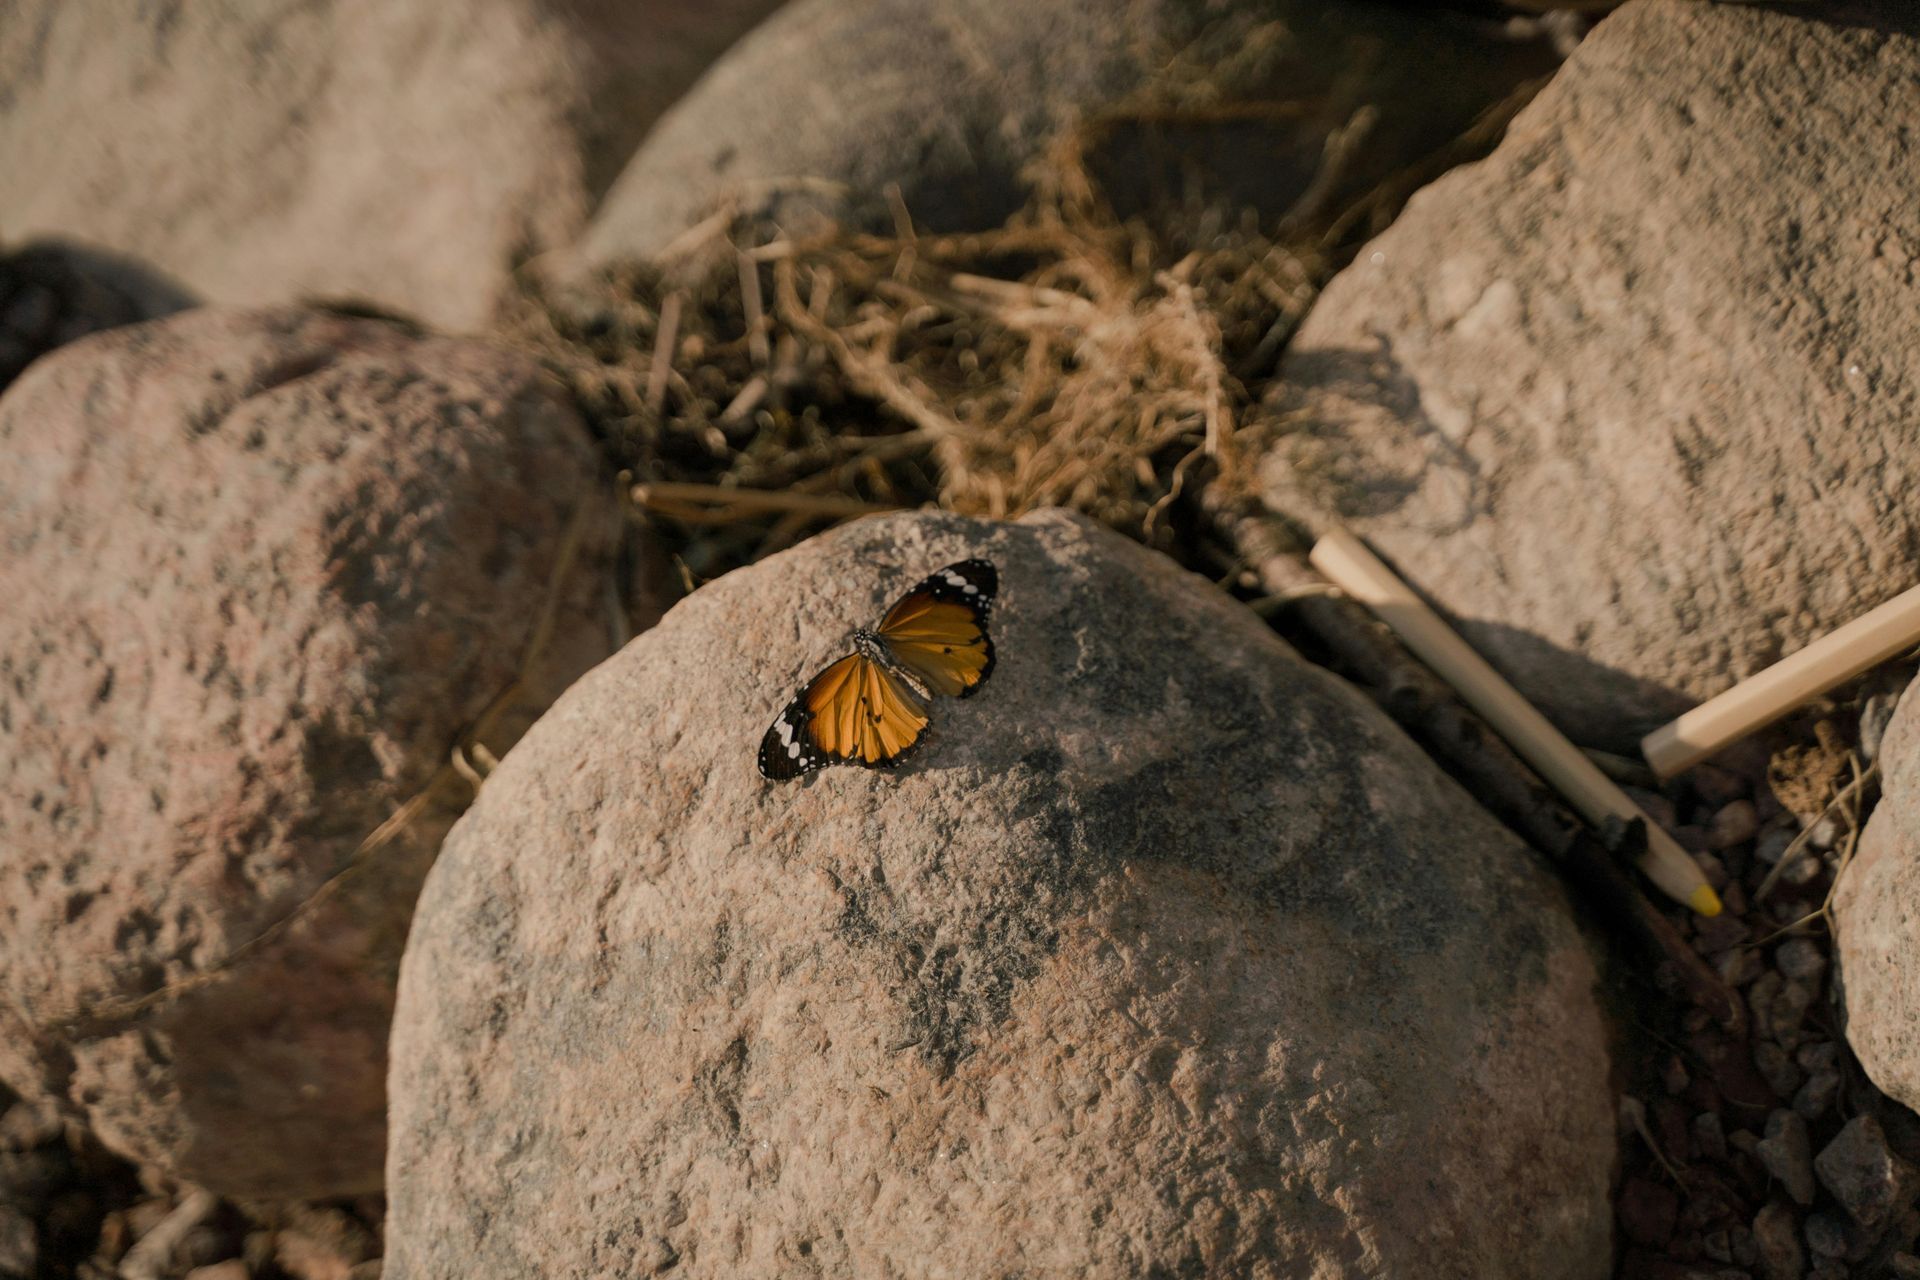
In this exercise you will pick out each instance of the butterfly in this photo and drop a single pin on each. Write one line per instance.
(870, 707)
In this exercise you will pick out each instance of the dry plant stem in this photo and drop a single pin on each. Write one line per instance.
(1793, 850)
(152, 1255)
(672, 498)
(1422, 704)
(663, 348)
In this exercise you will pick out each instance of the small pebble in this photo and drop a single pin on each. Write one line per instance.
(1779, 1071)
(145, 1216)
(1673, 1076)
(1875, 713)
(231, 1269)
(1823, 833)
(1776, 1241)
(1760, 997)
(1717, 1245)
(26, 1126)
(1718, 933)
(1716, 786)
(1735, 824)
(1714, 870)
(1656, 806)
(19, 1243)
(1816, 1096)
(1709, 1137)
(1739, 966)
(1787, 1155)
(1800, 958)
(1869, 1180)
(1691, 838)
(1790, 1010)
(1647, 1210)
(1827, 1236)
(1775, 840)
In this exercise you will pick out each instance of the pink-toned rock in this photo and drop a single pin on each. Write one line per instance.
(408, 152)
(262, 571)
(1877, 923)
(1632, 400)
(1166, 954)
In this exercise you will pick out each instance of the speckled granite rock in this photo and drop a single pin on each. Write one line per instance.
(1876, 914)
(262, 571)
(1167, 954)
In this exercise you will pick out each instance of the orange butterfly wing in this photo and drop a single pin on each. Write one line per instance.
(858, 712)
(938, 630)
(854, 712)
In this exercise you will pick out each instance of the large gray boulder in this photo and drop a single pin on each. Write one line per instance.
(1876, 917)
(813, 115)
(1633, 398)
(261, 573)
(1166, 955)
(409, 153)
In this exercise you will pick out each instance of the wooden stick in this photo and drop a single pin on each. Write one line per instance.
(1421, 703)
(1761, 699)
(1358, 572)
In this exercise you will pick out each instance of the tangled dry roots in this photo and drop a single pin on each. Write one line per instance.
(754, 386)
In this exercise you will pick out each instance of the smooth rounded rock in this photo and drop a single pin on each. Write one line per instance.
(815, 114)
(409, 153)
(1166, 954)
(263, 571)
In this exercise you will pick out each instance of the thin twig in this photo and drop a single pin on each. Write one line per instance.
(1860, 780)
(663, 348)
(741, 501)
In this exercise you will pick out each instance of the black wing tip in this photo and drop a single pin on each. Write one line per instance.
(985, 670)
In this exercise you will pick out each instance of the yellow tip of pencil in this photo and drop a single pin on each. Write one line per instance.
(1705, 901)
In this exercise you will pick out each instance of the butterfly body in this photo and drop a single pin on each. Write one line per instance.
(870, 707)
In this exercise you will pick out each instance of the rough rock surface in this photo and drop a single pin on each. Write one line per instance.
(1167, 955)
(262, 570)
(52, 292)
(1633, 398)
(1876, 915)
(406, 152)
(820, 108)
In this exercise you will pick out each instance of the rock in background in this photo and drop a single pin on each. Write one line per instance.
(409, 153)
(1633, 399)
(52, 292)
(1166, 955)
(1876, 913)
(263, 571)
(823, 107)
